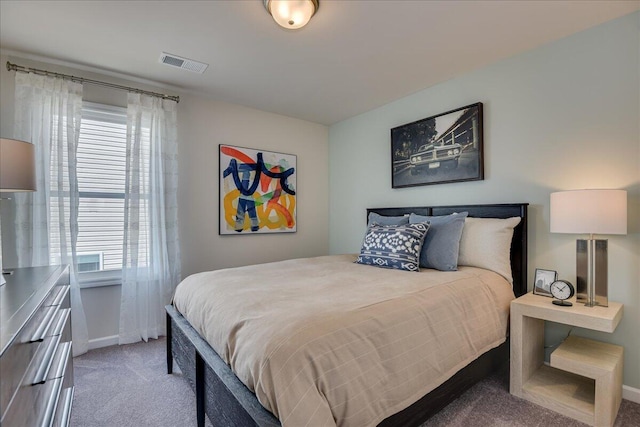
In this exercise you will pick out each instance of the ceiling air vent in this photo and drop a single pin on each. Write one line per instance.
(184, 63)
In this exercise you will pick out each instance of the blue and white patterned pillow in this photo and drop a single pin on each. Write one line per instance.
(393, 246)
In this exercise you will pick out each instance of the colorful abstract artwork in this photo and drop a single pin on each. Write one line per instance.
(257, 191)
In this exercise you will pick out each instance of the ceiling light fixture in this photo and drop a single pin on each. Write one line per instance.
(292, 14)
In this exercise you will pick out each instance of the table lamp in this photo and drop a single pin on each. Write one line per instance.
(17, 173)
(590, 212)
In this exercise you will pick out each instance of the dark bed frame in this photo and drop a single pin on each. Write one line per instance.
(228, 402)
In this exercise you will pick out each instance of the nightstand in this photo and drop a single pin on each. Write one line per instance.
(584, 379)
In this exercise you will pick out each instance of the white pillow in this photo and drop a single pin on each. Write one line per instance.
(486, 243)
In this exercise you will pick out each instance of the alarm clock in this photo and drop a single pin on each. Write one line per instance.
(562, 290)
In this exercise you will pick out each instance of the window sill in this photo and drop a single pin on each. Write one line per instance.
(100, 283)
(100, 279)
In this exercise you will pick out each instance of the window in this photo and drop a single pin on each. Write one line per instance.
(101, 167)
(90, 262)
(101, 182)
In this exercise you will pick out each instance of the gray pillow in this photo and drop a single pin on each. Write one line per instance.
(442, 243)
(387, 220)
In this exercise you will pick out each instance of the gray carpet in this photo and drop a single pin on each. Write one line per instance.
(128, 386)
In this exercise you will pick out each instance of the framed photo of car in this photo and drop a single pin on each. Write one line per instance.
(439, 149)
(543, 280)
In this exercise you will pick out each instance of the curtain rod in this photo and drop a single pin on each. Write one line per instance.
(20, 68)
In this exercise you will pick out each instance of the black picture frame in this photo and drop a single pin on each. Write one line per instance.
(440, 149)
(543, 280)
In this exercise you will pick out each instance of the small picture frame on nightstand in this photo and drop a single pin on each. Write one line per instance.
(543, 280)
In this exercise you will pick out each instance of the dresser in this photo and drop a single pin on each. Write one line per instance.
(36, 367)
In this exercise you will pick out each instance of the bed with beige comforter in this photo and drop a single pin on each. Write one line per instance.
(324, 342)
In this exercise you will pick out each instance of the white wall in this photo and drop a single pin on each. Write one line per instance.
(202, 125)
(563, 116)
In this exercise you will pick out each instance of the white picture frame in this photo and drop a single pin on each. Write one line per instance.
(257, 191)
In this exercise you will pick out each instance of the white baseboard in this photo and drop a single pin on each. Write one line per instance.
(630, 393)
(103, 342)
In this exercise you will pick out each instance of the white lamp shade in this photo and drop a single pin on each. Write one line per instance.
(17, 166)
(291, 14)
(589, 212)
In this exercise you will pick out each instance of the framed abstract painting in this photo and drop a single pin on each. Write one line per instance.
(257, 191)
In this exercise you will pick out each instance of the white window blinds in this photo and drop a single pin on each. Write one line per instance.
(101, 165)
(101, 178)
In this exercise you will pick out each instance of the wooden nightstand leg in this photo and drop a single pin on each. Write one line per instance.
(527, 350)
(608, 396)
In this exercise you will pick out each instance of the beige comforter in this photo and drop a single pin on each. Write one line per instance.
(325, 342)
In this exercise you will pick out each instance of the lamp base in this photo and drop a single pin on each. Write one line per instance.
(592, 272)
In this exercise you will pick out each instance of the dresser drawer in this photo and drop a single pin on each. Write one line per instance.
(16, 360)
(43, 361)
(32, 404)
(62, 285)
(36, 365)
(57, 295)
(63, 370)
(60, 367)
(44, 403)
(13, 367)
(63, 412)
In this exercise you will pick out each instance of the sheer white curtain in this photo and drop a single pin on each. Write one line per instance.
(151, 254)
(47, 114)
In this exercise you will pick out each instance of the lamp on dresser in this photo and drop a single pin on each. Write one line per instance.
(17, 173)
(590, 212)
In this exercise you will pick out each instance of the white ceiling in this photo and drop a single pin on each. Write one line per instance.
(353, 56)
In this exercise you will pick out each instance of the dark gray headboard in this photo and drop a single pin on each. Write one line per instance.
(518, 243)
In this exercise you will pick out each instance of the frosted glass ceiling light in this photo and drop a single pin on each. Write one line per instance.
(292, 14)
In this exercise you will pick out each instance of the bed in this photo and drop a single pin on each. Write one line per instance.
(227, 401)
